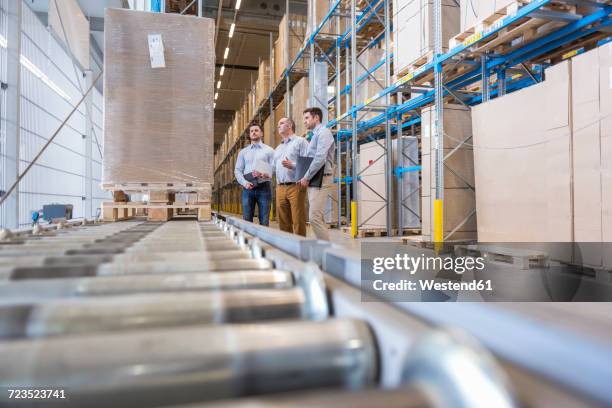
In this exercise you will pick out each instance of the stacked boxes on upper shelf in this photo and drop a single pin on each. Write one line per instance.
(299, 103)
(413, 37)
(291, 35)
(474, 11)
(262, 86)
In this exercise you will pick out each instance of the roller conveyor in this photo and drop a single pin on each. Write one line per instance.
(155, 367)
(153, 314)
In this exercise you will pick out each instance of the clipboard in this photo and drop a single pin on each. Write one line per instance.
(302, 166)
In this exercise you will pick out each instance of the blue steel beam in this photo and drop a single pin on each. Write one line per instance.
(530, 51)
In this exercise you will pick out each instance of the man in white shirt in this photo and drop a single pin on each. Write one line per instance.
(257, 189)
(290, 196)
(322, 148)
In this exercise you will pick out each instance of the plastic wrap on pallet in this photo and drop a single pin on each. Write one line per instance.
(158, 121)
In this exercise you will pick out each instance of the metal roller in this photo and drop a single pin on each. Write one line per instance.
(172, 366)
(39, 289)
(95, 259)
(116, 313)
(113, 313)
(131, 268)
(215, 245)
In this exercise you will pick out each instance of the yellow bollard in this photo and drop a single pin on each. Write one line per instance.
(438, 225)
(353, 219)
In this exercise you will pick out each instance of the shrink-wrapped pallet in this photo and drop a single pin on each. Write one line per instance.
(291, 35)
(158, 122)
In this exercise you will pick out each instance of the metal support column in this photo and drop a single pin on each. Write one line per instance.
(347, 150)
(353, 67)
(199, 8)
(399, 154)
(338, 128)
(88, 210)
(388, 143)
(485, 79)
(501, 81)
(287, 62)
(438, 215)
(13, 113)
(272, 119)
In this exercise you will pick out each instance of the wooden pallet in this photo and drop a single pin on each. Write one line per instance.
(514, 35)
(175, 187)
(115, 211)
(380, 232)
(521, 258)
(416, 64)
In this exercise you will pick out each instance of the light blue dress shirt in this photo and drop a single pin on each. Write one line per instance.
(291, 148)
(322, 148)
(247, 157)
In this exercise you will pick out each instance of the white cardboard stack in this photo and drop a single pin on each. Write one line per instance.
(474, 11)
(547, 177)
(371, 210)
(459, 200)
(413, 35)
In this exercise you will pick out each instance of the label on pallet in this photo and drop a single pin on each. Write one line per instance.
(156, 51)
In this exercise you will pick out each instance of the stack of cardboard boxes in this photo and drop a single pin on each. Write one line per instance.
(543, 159)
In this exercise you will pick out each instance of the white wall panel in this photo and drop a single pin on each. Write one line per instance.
(59, 175)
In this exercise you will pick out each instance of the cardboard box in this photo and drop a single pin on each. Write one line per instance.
(299, 103)
(150, 134)
(372, 197)
(523, 174)
(413, 35)
(262, 86)
(291, 35)
(472, 12)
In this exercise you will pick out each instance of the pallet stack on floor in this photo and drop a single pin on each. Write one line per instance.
(165, 146)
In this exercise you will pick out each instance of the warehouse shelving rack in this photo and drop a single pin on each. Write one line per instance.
(448, 76)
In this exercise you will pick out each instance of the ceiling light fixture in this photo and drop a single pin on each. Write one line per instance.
(226, 53)
(222, 70)
(218, 84)
(238, 4)
(232, 27)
